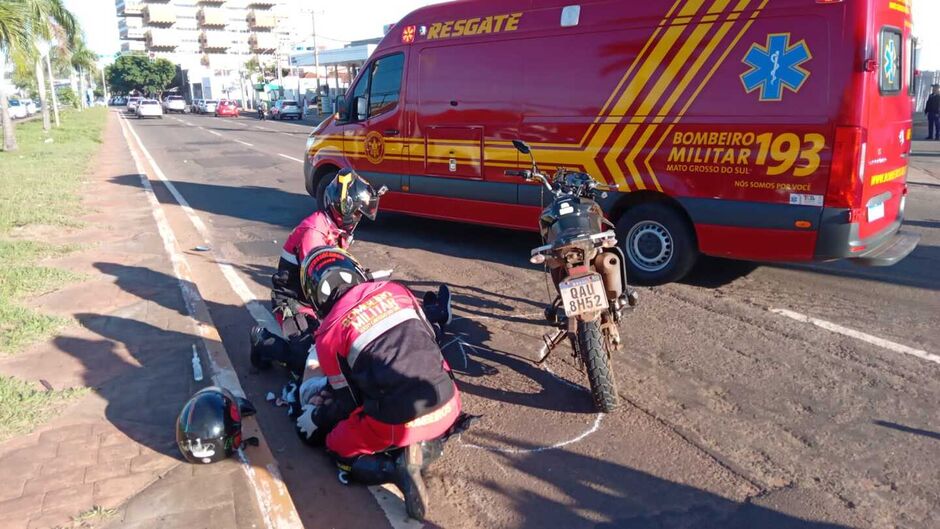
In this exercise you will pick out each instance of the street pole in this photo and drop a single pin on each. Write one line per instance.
(316, 51)
(55, 100)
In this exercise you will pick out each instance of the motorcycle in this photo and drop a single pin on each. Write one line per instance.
(588, 270)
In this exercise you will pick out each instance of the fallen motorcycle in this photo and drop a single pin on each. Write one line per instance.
(588, 270)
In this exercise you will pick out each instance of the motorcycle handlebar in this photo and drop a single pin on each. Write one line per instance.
(524, 174)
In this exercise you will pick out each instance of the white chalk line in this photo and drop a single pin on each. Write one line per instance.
(502, 317)
(272, 516)
(594, 427)
(290, 158)
(858, 335)
(580, 437)
(394, 510)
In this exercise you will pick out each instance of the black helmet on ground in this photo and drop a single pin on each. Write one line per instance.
(349, 197)
(209, 428)
(326, 274)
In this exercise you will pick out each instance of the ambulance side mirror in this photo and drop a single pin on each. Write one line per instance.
(342, 111)
(362, 108)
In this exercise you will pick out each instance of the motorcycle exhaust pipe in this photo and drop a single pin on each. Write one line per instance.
(608, 265)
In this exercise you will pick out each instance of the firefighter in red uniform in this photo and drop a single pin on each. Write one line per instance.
(347, 199)
(388, 394)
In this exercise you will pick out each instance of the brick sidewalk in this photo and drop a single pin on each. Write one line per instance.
(132, 346)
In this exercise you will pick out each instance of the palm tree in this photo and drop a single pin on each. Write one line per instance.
(83, 60)
(23, 25)
(48, 20)
(13, 39)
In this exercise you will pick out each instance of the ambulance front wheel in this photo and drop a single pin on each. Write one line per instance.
(659, 243)
(321, 184)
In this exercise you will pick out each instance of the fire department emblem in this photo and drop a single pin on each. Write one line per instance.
(776, 66)
(408, 34)
(375, 147)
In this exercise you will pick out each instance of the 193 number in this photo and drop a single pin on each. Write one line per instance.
(785, 149)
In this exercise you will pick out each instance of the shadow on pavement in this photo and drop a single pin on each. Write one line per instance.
(145, 397)
(284, 209)
(252, 203)
(716, 272)
(628, 498)
(908, 429)
(917, 270)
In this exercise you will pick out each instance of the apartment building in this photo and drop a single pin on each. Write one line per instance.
(212, 39)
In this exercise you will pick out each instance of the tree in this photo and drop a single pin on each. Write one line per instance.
(83, 60)
(137, 73)
(13, 39)
(48, 20)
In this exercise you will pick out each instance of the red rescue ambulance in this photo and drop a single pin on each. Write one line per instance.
(772, 130)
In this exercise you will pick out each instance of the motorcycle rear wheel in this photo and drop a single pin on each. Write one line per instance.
(594, 353)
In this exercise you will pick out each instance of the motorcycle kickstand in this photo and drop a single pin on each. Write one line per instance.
(550, 341)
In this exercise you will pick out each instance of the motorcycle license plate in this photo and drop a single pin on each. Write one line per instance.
(583, 294)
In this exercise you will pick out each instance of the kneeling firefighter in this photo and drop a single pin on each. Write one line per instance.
(347, 198)
(388, 399)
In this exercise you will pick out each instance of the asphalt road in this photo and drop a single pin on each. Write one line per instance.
(736, 416)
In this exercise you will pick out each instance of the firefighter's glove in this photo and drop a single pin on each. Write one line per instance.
(305, 424)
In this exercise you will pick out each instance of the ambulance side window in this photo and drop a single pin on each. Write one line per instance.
(890, 60)
(358, 91)
(386, 83)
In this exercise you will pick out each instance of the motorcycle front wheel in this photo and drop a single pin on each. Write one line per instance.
(593, 350)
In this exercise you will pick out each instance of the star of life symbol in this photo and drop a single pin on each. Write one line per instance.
(776, 66)
(891, 62)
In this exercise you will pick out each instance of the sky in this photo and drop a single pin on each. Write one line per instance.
(360, 19)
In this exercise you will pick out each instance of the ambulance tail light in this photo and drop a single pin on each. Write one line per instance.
(848, 168)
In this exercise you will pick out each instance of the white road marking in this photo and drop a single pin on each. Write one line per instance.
(394, 510)
(290, 158)
(392, 502)
(277, 508)
(245, 143)
(858, 335)
(261, 128)
(213, 132)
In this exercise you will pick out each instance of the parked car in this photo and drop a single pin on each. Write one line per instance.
(149, 108)
(286, 109)
(118, 100)
(208, 106)
(132, 103)
(17, 109)
(174, 104)
(226, 108)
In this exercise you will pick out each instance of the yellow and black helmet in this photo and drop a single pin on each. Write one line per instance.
(348, 198)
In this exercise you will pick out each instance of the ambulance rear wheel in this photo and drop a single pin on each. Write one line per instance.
(659, 244)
